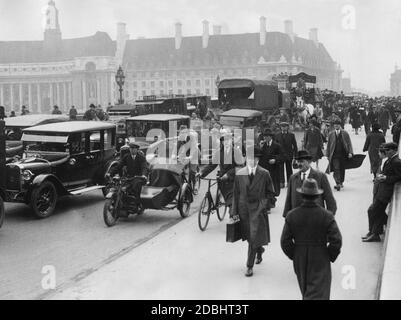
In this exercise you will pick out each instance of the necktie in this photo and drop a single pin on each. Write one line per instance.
(251, 176)
(303, 176)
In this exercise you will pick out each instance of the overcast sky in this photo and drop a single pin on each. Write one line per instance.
(367, 53)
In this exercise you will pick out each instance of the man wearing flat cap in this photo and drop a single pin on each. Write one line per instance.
(311, 239)
(253, 196)
(339, 148)
(293, 200)
(135, 165)
(289, 148)
(383, 192)
(271, 158)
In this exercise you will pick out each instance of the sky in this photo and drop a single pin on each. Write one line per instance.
(361, 35)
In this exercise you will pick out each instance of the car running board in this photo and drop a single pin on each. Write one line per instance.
(77, 192)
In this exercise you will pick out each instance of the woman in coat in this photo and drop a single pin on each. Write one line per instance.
(372, 144)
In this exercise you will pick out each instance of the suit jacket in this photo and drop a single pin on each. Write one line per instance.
(252, 201)
(312, 239)
(269, 153)
(331, 144)
(288, 145)
(137, 167)
(392, 170)
(294, 199)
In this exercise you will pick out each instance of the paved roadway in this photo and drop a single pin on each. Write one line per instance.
(160, 256)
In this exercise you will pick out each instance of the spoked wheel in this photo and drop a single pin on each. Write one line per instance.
(204, 214)
(110, 213)
(220, 210)
(44, 199)
(184, 203)
(2, 212)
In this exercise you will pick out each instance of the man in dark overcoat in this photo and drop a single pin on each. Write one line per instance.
(252, 200)
(271, 158)
(372, 144)
(339, 148)
(384, 119)
(311, 239)
(294, 198)
(313, 142)
(289, 148)
(383, 192)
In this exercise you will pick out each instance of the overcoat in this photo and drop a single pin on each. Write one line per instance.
(251, 202)
(288, 145)
(268, 153)
(312, 239)
(313, 143)
(294, 198)
(372, 144)
(331, 144)
(392, 170)
(383, 118)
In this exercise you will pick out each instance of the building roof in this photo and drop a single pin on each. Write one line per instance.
(223, 50)
(100, 44)
(34, 120)
(158, 117)
(73, 126)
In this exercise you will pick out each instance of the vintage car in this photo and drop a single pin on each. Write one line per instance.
(60, 159)
(15, 125)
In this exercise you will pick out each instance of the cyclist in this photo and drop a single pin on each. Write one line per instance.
(228, 157)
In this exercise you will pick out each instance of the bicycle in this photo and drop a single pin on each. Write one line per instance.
(208, 205)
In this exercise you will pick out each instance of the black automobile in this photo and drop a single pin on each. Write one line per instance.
(60, 159)
(15, 125)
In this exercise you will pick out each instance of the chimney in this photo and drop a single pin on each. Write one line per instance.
(289, 29)
(313, 36)
(178, 35)
(205, 35)
(262, 38)
(217, 30)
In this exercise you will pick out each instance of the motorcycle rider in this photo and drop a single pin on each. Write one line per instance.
(136, 166)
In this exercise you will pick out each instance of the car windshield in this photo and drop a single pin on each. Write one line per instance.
(141, 128)
(232, 121)
(47, 147)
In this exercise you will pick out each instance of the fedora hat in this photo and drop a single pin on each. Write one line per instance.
(337, 121)
(310, 188)
(268, 132)
(303, 155)
(284, 124)
(388, 146)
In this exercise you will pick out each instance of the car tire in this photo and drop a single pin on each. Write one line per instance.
(43, 200)
(2, 212)
(184, 201)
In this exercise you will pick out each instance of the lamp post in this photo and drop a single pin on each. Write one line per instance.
(120, 80)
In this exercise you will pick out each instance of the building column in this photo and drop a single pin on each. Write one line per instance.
(70, 94)
(30, 96)
(51, 95)
(39, 97)
(98, 95)
(1, 95)
(12, 97)
(20, 95)
(84, 104)
(58, 94)
(65, 96)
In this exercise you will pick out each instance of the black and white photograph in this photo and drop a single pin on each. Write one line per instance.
(217, 152)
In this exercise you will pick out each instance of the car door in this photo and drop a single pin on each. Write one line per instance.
(94, 155)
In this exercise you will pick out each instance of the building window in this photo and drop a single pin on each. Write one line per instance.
(161, 83)
(143, 93)
(198, 83)
(188, 91)
(179, 83)
(208, 92)
(161, 92)
(179, 91)
(198, 91)
(152, 84)
(143, 84)
(170, 83)
(170, 91)
(207, 82)
(152, 92)
(188, 83)
(134, 84)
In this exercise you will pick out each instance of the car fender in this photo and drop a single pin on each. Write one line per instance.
(61, 190)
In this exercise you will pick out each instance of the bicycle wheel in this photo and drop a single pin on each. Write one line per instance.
(221, 212)
(204, 213)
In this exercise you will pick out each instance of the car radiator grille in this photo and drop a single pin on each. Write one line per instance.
(13, 177)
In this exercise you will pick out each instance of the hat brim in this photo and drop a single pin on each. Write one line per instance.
(304, 158)
(317, 193)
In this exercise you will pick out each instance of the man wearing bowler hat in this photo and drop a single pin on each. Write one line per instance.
(339, 148)
(253, 196)
(289, 148)
(311, 239)
(383, 191)
(293, 200)
(271, 158)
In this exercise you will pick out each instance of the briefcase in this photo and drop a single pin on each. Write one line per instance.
(233, 233)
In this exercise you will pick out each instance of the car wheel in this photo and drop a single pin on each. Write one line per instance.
(44, 199)
(2, 212)
(110, 213)
(184, 203)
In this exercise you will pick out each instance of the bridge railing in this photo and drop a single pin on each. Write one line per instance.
(390, 279)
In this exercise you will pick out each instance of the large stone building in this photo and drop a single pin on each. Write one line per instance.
(395, 82)
(81, 71)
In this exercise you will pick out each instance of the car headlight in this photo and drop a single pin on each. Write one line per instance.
(27, 175)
